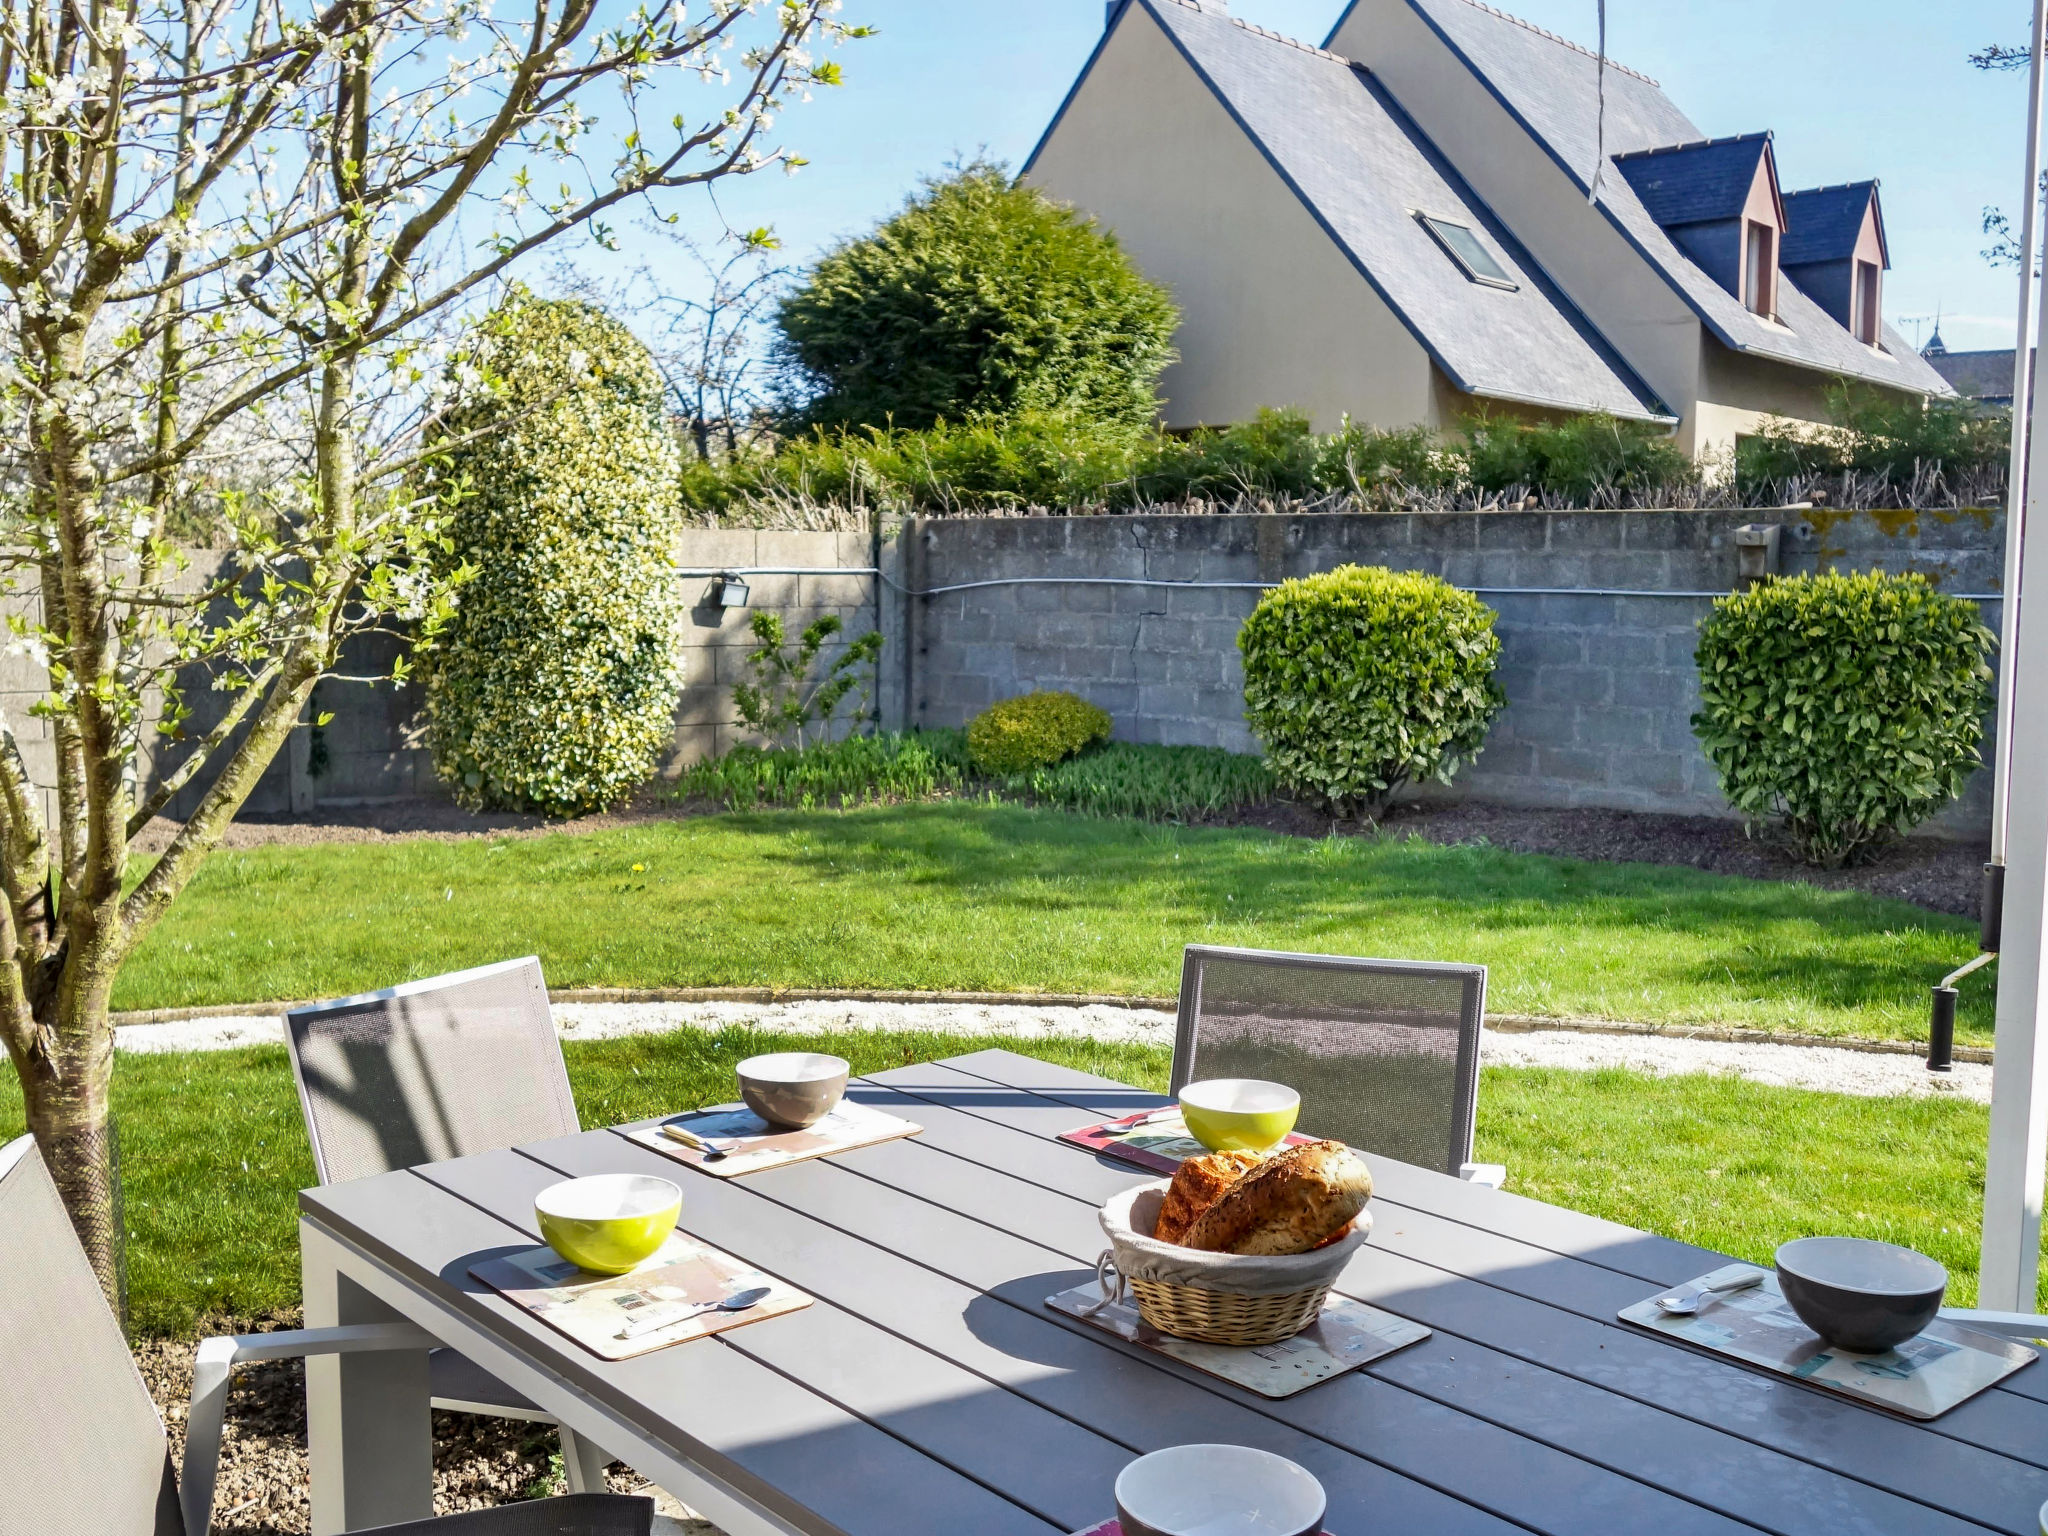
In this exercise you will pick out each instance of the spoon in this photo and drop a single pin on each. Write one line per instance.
(1685, 1301)
(662, 1317)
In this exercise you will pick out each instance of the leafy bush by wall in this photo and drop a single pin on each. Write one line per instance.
(1845, 708)
(1361, 680)
(1884, 442)
(1034, 731)
(981, 297)
(554, 688)
(1580, 457)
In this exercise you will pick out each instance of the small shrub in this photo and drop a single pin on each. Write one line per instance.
(782, 697)
(1034, 731)
(1361, 680)
(1847, 708)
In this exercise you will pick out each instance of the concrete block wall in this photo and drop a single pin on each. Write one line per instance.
(1598, 615)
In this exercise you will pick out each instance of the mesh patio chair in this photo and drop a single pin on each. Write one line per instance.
(1385, 1053)
(81, 1446)
(453, 1065)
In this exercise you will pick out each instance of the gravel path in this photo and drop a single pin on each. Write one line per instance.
(1837, 1070)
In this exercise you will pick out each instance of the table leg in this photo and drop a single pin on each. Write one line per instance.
(369, 1429)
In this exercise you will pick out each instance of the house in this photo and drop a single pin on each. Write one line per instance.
(1985, 377)
(1433, 215)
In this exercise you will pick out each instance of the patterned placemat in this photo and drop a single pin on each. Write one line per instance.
(1347, 1335)
(1157, 1139)
(750, 1144)
(1921, 1379)
(649, 1307)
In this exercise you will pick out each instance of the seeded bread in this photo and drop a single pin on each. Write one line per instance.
(1290, 1203)
(1199, 1183)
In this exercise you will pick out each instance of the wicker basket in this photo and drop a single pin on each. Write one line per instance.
(1214, 1298)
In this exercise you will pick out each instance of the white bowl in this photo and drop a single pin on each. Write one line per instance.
(1218, 1490)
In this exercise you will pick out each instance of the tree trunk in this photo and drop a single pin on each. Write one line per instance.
(66, 1090)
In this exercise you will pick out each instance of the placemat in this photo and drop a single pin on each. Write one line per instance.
(1921, 1379)
(1347, 1335)
(750, 1144)
(593, 1309)
(1157, 1139)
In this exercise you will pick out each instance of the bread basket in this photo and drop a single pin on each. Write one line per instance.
(1214, 1298)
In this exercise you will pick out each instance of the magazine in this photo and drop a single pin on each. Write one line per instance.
(1348, 1334)
(1923, 1378)
(649, 1307)
(1157, 1139)
(750, 1144)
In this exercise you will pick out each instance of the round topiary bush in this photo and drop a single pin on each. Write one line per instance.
(1361, 680)
(1034, 731)
(1846, 708)
(554, 688)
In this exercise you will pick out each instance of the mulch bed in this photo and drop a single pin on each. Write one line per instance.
(478, 1462)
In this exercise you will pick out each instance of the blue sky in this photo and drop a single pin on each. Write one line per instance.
(1852, 88)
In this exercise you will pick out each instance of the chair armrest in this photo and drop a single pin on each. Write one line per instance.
(1485, 1175)
(215, 1364)
(2004, 1325)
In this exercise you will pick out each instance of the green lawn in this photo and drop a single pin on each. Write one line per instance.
(214, 1153)
(979, 897)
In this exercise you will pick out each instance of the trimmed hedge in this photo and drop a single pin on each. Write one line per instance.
(1846, 708)
(1361, 680)
(554, 688)
(1034, 731)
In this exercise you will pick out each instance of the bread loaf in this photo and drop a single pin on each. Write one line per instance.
(1290, 1203)
(1199, 1183)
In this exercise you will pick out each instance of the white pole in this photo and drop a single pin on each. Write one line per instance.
(2016, 471)
(2011, 1252)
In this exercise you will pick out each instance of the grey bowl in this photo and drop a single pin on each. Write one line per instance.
(792, 1089)
(1858, 1294)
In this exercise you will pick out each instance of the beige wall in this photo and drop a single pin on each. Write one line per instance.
(1273, 312)
(1634, 307)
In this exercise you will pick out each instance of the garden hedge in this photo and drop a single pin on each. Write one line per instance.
(1845, 708)
(1361, 680)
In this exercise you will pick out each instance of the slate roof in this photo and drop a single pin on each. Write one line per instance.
(1822, 223)
(1363, 169)
(1552, 86)
(1985, 376)
(1699, 183)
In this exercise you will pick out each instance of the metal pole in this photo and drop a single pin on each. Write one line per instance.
(2016, 471)
(2011, 1252)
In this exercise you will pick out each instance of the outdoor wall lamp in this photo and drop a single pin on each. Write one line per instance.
(732, 591)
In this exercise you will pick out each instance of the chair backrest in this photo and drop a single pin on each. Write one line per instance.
(433, 1069)
(81, 1446)
(1384, 1053)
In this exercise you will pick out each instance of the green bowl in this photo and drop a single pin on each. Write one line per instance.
(1239, 1114)
(609, 1223)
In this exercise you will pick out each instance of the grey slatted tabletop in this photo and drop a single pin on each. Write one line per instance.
(929, 1389)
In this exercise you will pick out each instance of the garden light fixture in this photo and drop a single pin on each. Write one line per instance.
(732, 591)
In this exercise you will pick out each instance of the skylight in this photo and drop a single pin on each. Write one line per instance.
(1463, 247)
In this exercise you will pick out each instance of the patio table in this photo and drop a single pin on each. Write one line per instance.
(930, 1390)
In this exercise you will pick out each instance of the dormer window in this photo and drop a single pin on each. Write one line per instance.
(1760, 269)
(1463, 247)
(1869, 276)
